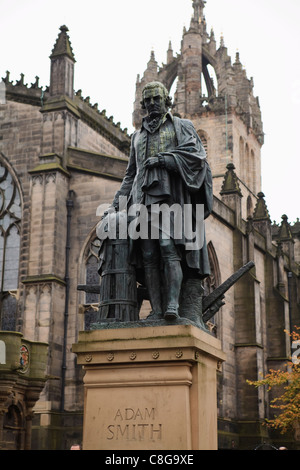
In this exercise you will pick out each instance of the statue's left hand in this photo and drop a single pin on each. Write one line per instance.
(151, 162)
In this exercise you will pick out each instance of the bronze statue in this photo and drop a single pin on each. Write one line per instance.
(167, 165)
(167, 168)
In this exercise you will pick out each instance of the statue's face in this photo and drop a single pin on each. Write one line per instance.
(154, 101)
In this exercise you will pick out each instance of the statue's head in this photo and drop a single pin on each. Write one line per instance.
(155, 98)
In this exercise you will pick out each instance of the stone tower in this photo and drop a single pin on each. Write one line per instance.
(218, 97)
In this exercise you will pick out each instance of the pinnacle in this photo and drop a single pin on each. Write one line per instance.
(230, 183)
(63, 44)
(237, 59)
(222, 43)
(261, 210)
(152, 62)
(198, 6)
(285, 229)
(198, 19)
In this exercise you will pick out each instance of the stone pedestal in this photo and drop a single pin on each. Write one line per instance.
(150, 388)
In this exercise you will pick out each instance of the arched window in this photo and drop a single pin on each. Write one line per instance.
(172, 92)
(252, 169)
(247, 165)
(10, 221)
(91, 280)
(208, 80)
(212, 281)
(249, 206)
(92, 276)
(203, 136)
(242, 158)
(13, 428)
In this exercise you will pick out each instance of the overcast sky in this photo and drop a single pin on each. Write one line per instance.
(112, 41)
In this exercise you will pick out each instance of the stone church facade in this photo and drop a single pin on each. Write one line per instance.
(61, 157)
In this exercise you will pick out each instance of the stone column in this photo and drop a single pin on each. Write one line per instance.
(149, 388)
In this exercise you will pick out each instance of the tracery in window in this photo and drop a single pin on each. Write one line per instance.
(92, 280)
(10, 220)
(211, 282)
(242, 158)
(252, 169)
(247, 165)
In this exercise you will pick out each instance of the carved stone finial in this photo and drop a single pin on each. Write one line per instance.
(285, 232)
(230, 183)
(222, 43)
(261, 210)
(63, 45)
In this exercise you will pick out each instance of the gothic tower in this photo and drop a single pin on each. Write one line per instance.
(218, 97)
(214, 92)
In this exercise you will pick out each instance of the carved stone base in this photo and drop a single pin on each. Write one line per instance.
(151, 388)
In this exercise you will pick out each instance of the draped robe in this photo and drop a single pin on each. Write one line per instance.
(184, 179)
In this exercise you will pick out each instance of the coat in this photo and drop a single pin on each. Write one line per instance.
(189, 182)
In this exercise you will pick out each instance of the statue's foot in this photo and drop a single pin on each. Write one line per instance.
(155, 316)
(171, 313)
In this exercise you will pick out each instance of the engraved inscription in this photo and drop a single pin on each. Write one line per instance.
(135, 424)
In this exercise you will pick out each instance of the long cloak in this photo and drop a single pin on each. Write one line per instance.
(189, 183)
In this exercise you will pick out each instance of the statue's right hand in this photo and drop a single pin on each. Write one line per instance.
(151, 162)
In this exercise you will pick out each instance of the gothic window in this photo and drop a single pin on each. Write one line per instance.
(203, 137)
(172, 92)
(92, 279)
(10, 220)
(252, 169)
(249, 206)
(208, 80)
(247, 165)
(212, 281)
(242, 158)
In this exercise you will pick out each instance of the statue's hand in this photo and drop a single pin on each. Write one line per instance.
(151, 162)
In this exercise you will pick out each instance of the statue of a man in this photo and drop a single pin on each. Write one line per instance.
(167, 165)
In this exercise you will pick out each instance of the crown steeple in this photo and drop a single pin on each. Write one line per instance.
(198, 6)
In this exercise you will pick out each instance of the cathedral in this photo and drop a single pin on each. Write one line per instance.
(61, 158)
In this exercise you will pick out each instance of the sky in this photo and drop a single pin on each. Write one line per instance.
(112, 41)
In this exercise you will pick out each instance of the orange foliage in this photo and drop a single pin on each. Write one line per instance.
(288, 403)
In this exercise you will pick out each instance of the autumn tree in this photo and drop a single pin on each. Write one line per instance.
(288, 402)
